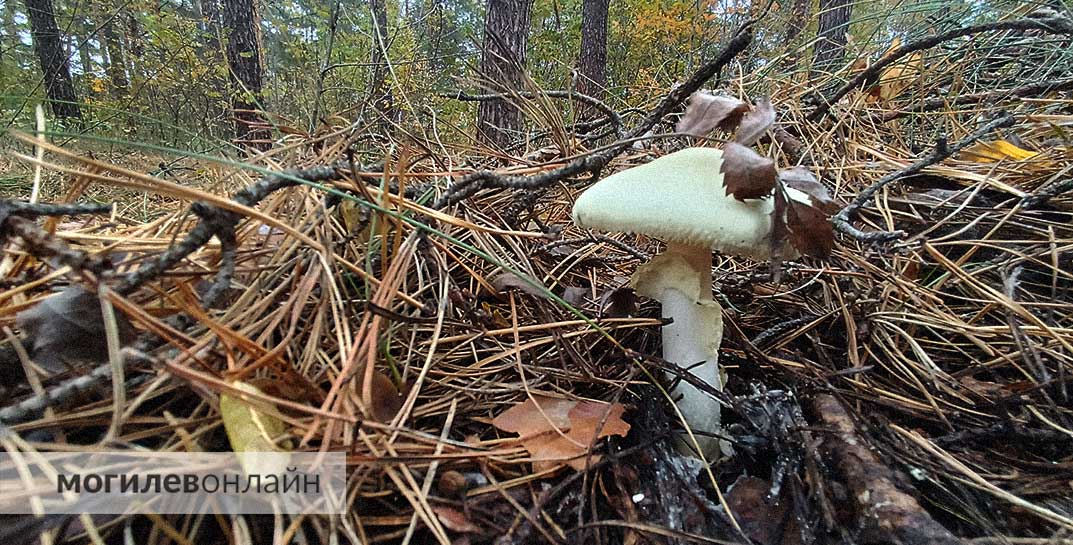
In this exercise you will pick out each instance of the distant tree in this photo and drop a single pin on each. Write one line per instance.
(831, 36)
(592, 63)
(798, 20)
(84, 41)
(55, 65)
(506, 30)
(379, 90)
(116, 67)
(795, 25)
(244, 60)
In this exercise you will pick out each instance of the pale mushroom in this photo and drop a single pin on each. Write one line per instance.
(680, 198)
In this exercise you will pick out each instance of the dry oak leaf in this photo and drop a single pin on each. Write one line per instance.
(706, 111)
(747, 174)
(810, 230)
(755, 123)
(802, 179)
(559, 431)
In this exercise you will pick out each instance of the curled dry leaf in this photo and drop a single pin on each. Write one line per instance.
(507, 281)
(68, 328)
(801, 216)
(559, 431)
(706, 111)
(761, 517)
(747, 174)
(618, 303)
(575, 295)
(802, 179)
(454, 520)
(387, 399)
(810, 230)
(756, 123)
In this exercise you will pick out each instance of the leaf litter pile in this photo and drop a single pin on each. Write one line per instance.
(900, 376)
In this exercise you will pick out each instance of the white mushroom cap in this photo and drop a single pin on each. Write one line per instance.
(679, 197)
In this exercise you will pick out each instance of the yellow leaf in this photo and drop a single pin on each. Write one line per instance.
(991, 152)
(251, 428)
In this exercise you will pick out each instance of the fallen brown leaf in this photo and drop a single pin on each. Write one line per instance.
(747, 174)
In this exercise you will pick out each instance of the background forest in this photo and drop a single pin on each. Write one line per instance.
(144, 70)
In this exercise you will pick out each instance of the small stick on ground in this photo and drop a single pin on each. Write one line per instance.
(1054, 25)
(885, 512)
(942, 151)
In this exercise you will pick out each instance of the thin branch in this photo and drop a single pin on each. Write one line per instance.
(842, 220)
(938, 103)
(470, 184)
(44, 246)
(1055, 25)
(213, 220)
(25, 209)
(1043, 196)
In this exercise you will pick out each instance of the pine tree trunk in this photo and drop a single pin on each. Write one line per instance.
(795, 25)
(55, 66)
(506, 30)
(380, 96)
(592, 63)
(244, 60)
(82, 41)
(831, 43)
(117, 62)
(798, 20)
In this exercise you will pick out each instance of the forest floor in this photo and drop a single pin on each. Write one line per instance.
(911, 387)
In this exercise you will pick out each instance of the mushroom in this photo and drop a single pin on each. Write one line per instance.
(680, 198)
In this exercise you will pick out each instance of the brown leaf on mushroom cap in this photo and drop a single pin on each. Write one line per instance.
(810, 230)
(706, 111)
(756, 123)
(802, 179)
(747, 174)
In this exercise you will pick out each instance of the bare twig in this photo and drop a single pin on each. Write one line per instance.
(938, 103)
(842, 220)
(213, 220)
(886, 513)
(43, 245)
(1044, 195)
(1055, 25)
(470, 184)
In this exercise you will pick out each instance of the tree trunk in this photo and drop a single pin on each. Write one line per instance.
(117, 63)
(506, 30)
(55, 66)
(244, 61)
(795, 25)
(380, 96)
(83, 41)
(831, 43)
(592, 64)
(798, 20)
(333, 25)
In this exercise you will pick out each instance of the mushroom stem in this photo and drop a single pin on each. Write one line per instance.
(681, 280)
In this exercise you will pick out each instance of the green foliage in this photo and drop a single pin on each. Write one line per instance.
(178, 77)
